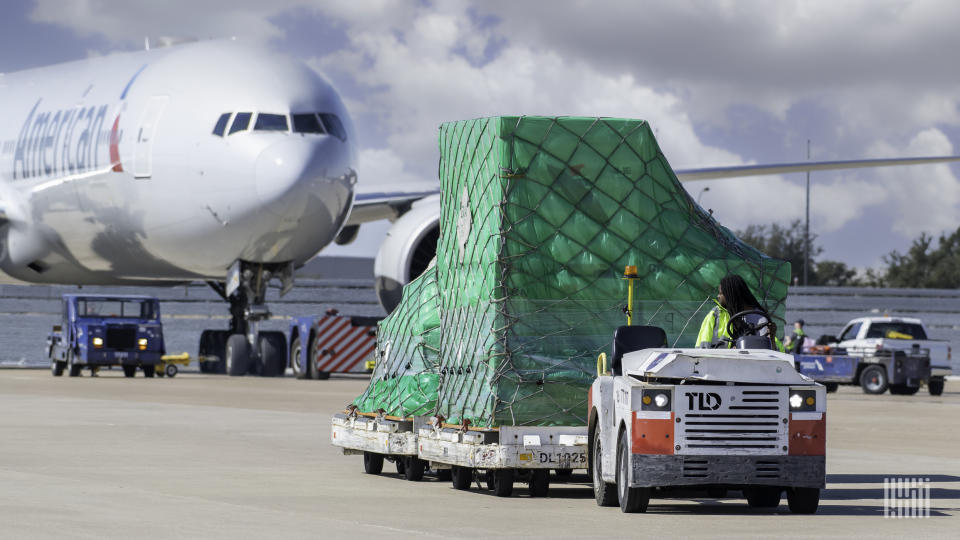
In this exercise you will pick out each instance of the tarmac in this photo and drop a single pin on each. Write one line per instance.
(215, 457)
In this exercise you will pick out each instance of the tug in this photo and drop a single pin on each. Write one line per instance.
(663, 421)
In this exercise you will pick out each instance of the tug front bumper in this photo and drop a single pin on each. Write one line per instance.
(687, 470)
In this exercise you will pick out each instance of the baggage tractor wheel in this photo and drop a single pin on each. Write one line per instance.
(605, 494)
(632, 500)
(803, 500)
(763, 496)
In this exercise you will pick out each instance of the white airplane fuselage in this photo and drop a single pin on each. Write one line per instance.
(111, 173)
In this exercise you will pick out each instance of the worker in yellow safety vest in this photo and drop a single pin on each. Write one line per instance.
(733, 295)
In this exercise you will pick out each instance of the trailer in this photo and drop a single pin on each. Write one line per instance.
(875, 371)
(498, 457)
(331, 343)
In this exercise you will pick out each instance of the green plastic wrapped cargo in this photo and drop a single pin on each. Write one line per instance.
(539, 217)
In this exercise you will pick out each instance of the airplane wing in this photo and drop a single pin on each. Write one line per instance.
(373, 204)
(714, 173)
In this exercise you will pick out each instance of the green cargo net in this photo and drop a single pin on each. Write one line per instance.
(539, 217)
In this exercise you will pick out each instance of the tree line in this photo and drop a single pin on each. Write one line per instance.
(924, 265)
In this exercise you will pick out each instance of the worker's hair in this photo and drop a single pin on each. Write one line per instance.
(738, 296)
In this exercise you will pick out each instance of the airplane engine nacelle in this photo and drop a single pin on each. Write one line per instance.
(24, 245)
(406, 252)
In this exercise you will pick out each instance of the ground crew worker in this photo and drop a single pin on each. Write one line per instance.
(733, 296)
(794, 342)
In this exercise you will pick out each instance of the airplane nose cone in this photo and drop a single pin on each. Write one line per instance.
(280, 169)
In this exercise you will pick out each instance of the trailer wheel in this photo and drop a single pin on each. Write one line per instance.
(372, 463)
(903, 390)
(443, 475)
(604, 493)
(873, 380)
(563, 474)
(763, 496)
(401, 465)
(632, 500)
(171, 370)
(935, 386)
(413, 468)
(461, 477)
(502, 482)
(803, 500)
(539, 483)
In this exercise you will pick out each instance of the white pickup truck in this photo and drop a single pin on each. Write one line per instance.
(869, 335)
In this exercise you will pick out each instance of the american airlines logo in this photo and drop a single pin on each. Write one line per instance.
(704, 401)
(62, 142)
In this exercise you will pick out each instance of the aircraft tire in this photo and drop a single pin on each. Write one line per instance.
(237, 355)
(312, 372)
(273, 352)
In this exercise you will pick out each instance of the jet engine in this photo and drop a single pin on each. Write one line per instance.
(406, 252)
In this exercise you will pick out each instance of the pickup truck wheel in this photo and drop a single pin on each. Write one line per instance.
(903, 390)
(874, 380)
(129, 371)
(935, 386)
(539, 483)
(461, 477)
(237, 355)
(372, 463)
(57, 367)
(413, 468)
(632, 500)
(604, 493)
(171, 370)
(149, 371)
(296, 352)
(763, 496)
(803, 500)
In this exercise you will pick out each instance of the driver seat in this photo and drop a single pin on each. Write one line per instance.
(634, 338)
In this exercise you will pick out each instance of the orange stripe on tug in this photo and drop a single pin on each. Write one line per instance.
(652, 435)
(808, 437)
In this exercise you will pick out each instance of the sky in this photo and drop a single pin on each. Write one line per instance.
(721, 83)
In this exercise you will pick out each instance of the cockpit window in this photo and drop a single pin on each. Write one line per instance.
(307, 123)
(271, 122)
(240, 122)
(334, 126)
(221, 124)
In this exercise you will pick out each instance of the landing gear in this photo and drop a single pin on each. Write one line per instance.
(244, 349)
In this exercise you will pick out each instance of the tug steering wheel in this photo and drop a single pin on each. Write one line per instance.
(748, 328)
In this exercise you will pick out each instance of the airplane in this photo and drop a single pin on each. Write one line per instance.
(212, 161)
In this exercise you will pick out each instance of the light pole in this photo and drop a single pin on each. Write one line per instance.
(702, 191)
(806, 228)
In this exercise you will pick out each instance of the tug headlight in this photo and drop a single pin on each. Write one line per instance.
(97, 342)
(142, 343)
(803, 400)
(655, 399)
